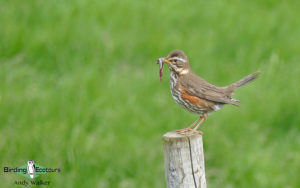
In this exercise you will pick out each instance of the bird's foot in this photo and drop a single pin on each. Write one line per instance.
(188, 131)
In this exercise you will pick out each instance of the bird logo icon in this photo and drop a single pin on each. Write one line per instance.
(30, 168)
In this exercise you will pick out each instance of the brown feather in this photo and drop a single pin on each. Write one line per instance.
(232, 87)
(200, 88)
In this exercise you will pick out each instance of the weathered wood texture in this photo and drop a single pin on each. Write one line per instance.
(184, 161)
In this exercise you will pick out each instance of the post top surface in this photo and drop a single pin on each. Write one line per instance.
(175, 135)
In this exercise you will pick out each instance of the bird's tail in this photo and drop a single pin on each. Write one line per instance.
(231, 88)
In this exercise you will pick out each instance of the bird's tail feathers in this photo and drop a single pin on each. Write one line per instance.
(231, 88)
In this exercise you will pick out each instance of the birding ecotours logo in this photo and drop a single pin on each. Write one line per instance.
(31, 170)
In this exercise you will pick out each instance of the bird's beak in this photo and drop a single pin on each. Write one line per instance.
(166, 61)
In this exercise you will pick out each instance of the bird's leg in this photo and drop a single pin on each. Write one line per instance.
(194, 130)
(189, 128)
(202, 120)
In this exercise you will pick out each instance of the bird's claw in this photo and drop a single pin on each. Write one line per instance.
(188, 132)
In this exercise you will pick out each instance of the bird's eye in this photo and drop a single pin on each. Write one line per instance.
(175, 60)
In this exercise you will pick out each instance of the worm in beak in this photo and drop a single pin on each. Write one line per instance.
(161, 62)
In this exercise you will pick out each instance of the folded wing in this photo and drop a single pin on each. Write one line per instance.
(200, 88)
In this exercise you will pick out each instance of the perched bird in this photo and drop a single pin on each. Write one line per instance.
(194, 93)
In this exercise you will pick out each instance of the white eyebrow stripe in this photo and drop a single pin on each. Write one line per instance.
(178, 58)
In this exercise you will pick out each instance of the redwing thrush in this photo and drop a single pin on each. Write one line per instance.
(194, 93)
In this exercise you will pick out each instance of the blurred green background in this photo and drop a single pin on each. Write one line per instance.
(80, 90)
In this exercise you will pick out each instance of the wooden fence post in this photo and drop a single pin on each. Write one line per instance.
(184, 160)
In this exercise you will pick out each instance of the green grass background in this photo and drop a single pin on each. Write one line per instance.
(79, 89)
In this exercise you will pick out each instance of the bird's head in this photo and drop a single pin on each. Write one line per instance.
(178, 62)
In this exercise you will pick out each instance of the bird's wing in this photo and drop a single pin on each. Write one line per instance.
(198, 87)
